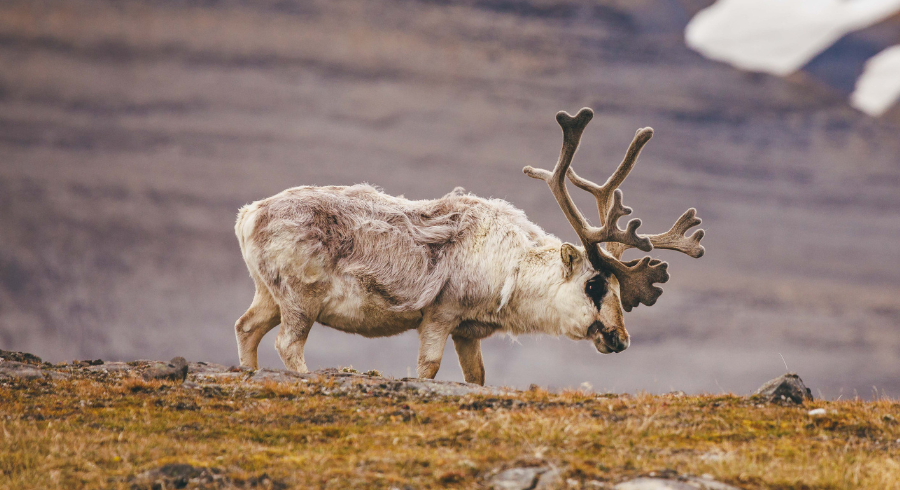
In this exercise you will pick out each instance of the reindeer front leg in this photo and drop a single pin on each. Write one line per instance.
(432, 339)
(469, 352)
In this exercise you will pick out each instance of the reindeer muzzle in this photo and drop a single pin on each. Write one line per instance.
(609, 341)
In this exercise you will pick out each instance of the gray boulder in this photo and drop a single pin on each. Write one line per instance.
(176, 370)
(787, 388)
(540, 478)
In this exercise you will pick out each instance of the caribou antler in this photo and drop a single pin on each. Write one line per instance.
(605, 195)
(590, 236)
(636, 278)
(674, 239)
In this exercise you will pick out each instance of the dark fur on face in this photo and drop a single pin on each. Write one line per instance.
(596, 288)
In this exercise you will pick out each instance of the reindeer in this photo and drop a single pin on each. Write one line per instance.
(361, 261)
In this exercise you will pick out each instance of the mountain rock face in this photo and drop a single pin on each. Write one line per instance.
(132, 131)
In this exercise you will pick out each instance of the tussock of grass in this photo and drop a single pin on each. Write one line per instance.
(96, 433)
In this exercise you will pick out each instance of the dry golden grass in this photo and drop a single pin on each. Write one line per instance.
(95, 433)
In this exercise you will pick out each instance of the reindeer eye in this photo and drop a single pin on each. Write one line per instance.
(596, 290)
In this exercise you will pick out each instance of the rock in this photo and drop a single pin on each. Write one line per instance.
(448, 388)
(217, 377)
(549, 479)
(179, 476)
(338, 373)
(176, 370)
(19, 370)
(88, 362)
(206, 368)
(215, 373)
(187, 476)
(653, 484)
(674, 483)
(541, 478)
(278, 375)
(788, 388)
(418, 386)
(109, 367)
(21, 357)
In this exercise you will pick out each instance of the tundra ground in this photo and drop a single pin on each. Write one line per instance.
(96, 428)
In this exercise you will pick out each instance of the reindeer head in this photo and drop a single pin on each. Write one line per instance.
(613, 285)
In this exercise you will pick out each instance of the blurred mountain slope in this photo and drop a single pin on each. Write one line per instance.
(840, 65)
(131, 132)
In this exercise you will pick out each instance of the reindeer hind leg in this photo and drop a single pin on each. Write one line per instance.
(262, 316)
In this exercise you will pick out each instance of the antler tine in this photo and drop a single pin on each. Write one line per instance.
(573, 127)
(674, 239)
(604, 193)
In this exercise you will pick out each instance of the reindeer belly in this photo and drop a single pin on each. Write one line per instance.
(349, 308)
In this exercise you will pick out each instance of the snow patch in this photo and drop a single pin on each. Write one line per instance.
(878, 88)
(779, 36)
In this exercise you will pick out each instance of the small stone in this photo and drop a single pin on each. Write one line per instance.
(176, 370)
(788, 388)
(678, 483)
(527, 478)
(278, 375)
(516, 479)
(179, 476)
(206, 367)
(88, 362)
(110, 367)
(549, 479)
(817, 412)
(445, 388)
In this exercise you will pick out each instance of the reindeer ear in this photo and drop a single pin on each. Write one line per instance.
(571, 258)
